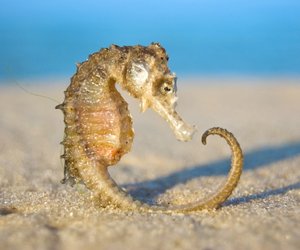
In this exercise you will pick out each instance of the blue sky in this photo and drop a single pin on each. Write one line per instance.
(235, 37)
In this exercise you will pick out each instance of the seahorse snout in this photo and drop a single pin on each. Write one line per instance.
(182, 130)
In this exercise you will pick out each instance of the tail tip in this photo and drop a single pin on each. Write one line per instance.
(203, 139)
(205, 135)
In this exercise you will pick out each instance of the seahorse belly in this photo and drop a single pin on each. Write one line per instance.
(104, 125)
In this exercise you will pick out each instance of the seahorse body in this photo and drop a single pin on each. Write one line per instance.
(98, 129)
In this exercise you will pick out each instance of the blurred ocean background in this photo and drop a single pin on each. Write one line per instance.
(44, 39)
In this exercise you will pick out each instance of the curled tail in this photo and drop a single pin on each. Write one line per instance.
(233, 178)
(109, 190)
(222, 194)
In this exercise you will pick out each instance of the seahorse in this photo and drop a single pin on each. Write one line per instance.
(98, 125)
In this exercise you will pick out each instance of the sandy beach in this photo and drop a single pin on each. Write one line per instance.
(38, 212)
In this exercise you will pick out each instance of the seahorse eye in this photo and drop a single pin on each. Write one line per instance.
(166, 88)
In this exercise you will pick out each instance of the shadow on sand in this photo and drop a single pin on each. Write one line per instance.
(258, 158)
(262, 195)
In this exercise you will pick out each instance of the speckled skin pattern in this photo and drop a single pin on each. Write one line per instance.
(98, 129)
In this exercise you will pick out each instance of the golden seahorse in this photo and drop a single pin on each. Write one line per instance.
(98, 125)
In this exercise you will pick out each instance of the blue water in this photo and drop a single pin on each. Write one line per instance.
(232, 37)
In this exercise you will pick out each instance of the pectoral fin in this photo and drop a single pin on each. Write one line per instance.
(144, 104)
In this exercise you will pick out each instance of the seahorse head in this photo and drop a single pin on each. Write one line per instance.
(149, 79)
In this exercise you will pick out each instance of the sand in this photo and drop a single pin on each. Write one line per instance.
(38, 212)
